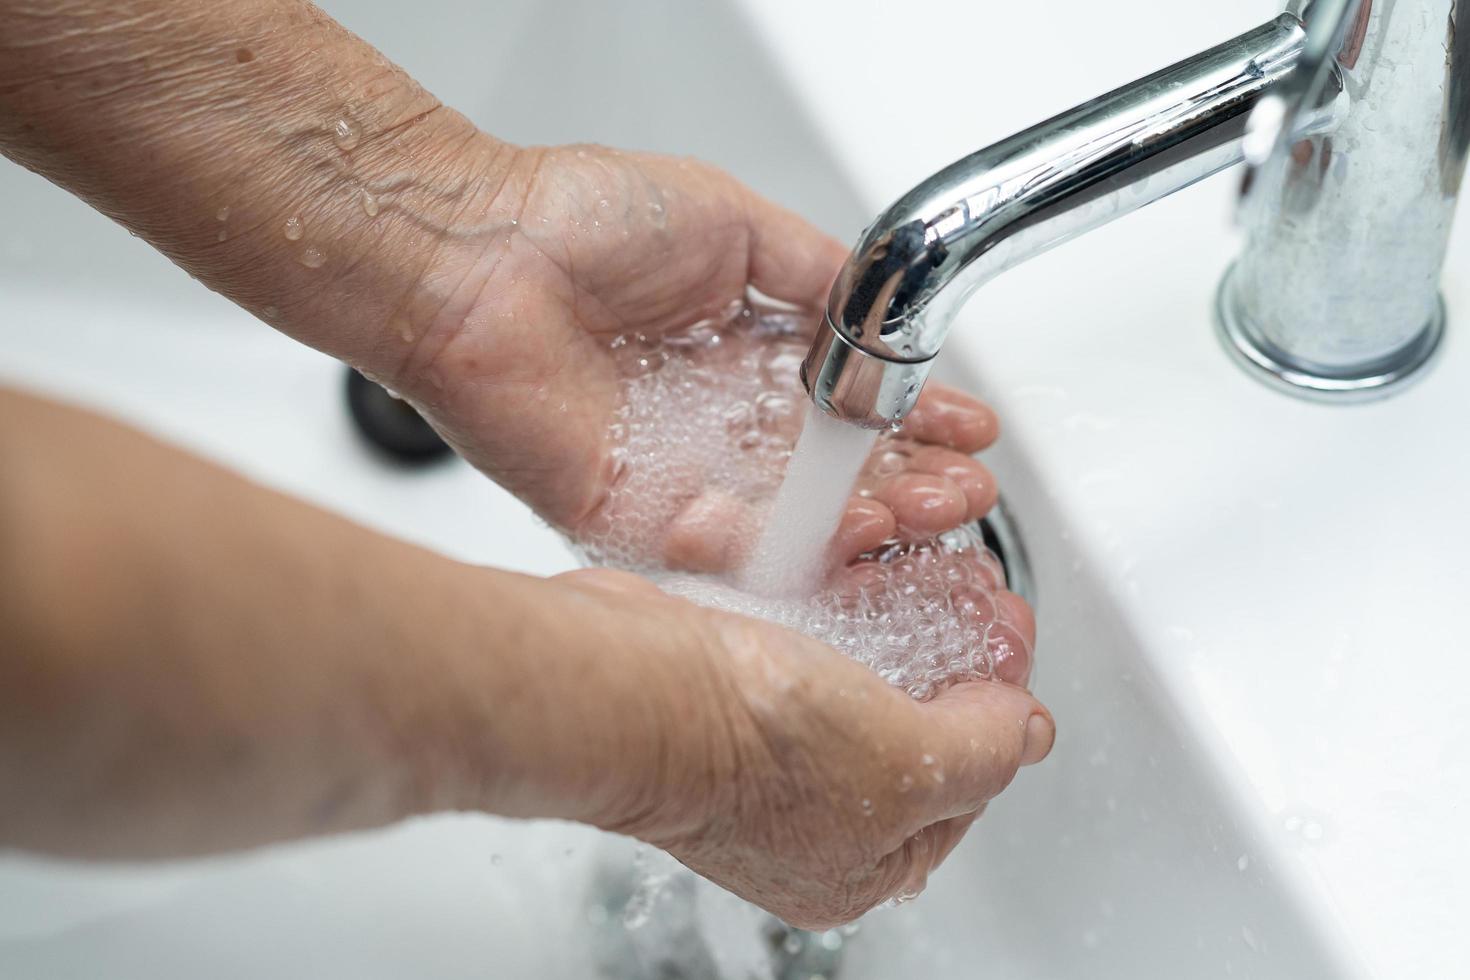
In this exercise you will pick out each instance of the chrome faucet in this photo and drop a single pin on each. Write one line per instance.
(1354, 119)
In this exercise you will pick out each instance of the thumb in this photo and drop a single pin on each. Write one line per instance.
(984, 732)
(790, 259)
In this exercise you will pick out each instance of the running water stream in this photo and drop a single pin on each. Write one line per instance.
(790, 558)
(730, 485)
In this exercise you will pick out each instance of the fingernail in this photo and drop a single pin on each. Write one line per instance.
(1041, 732)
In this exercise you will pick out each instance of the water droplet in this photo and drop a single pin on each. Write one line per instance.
(640, 904)
(905, 783)
(312, 257)
(1242, 862)
(222, 235)
(223, 214)
(403, 327)
(270, 312)
(369, 204)
(696, 420)
(346, 133)
(793, 944)
(867, 806)
(294, 229)
(889, 461)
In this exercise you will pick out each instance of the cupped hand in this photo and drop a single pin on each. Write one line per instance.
(794, 777)
(589, 244)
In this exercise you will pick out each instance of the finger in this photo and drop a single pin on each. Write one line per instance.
(945, 416)
(966, 472)
(1008, 643)
(865, 525)
(923, 505)
(608, 580)
(850, 582)
(950, 833)
(976, 606)
(1018, 611)
(709, 535)
(983, 732)
(890, 457)
(716, 532)
(904, 874)
(790, 259)
(987, 569)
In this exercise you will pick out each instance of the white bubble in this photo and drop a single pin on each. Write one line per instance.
(708, 419)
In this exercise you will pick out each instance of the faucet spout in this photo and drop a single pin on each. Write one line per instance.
(895, 299)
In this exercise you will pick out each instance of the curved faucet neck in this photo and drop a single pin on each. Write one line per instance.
(894, 301)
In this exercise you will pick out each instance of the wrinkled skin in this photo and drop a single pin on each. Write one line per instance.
(861, 790)
(486, 290)
(606, 243)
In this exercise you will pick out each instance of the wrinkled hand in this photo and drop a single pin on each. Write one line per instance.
(796, 778)
(592, 243)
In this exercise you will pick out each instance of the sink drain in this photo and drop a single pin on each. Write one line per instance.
(390, 425)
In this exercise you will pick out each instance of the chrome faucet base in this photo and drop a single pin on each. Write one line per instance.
(1369, 381)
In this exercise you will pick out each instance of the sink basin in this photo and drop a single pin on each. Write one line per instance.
(1247, 603)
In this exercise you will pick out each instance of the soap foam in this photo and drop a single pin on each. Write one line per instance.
(708, 423)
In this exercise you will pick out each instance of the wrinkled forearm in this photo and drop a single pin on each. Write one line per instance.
(272, 154)
(191, 663)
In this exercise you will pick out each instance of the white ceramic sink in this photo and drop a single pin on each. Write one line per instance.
(1249, 604)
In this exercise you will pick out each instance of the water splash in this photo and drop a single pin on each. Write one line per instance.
(705, 432)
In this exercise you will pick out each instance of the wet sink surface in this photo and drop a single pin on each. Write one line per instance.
(1247, 603)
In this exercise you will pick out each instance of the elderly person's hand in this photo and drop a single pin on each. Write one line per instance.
(583, 245)
(789, 774)
(247, 669)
